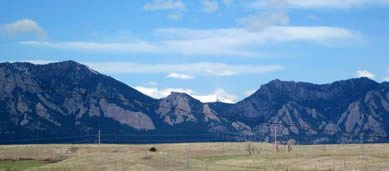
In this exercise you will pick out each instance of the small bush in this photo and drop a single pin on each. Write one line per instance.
(153, 149)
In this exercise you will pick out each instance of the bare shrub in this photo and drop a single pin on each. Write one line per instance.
(253, 148)
(250, 148)
(282, 148)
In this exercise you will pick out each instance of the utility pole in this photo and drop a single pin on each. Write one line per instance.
(275, 134)
(99, 138)
(362, 147)
(275, 139)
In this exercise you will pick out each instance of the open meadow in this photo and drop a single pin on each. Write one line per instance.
(194, 156)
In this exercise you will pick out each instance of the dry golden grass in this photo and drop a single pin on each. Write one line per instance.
(202, 156)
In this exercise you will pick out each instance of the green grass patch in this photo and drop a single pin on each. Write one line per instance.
(21, 164)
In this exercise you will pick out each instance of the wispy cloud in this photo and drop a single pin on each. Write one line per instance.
(38, 62)
(25, 26)
(210, 6)
(335, 3)
(318, 3)
(227, 3)
(365, 73)
(263, 20)
(175, 70)
(164, 5)
(180, 76)
(268, 13)
(213, 69)
(219, 94)
(275, 12)
(210, 42)
(133, 47)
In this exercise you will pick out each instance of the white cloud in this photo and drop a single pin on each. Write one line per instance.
(316, 3)
(219, 94)
(133, 47)
(214, 69)
(264, 20)
(263, 4)
(38, 62)
(214, 42)
(180, 76)
(210, 6)
(164, 5)
(249, 92)
(203, 68)
(316, 34)
(269, 13)
(157, 93)
(25, 26)
(227, 3)
(365, 73)
(335, 3)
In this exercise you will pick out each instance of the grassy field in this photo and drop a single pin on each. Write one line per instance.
(196, 156)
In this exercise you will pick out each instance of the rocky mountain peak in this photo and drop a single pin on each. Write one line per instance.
(356, 83)
(180, 97)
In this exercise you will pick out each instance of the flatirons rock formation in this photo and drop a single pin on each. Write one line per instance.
(67, 102)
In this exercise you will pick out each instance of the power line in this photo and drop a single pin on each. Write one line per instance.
(239, 118)
(52, 138)
(155, 139)
(165, 135)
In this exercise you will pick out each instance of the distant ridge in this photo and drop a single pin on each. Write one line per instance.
(67, 102)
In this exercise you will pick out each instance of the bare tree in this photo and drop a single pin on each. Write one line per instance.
(291, 143)
(258, 149)
(250, 148)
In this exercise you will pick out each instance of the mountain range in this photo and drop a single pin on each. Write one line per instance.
(67, 102)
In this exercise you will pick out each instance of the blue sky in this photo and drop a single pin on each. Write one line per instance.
(211, 49)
